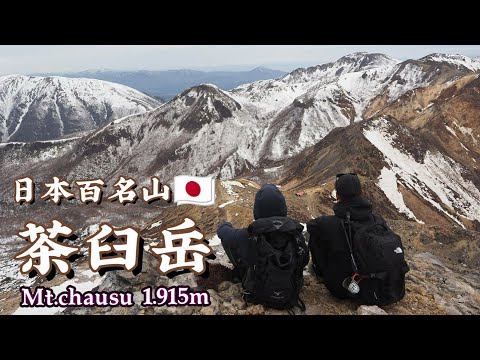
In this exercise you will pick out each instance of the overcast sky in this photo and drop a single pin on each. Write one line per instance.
(34, 59)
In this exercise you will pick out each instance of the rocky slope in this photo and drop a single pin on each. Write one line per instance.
(447, 114)
(444, 261)
(45, 108)
(404, 170)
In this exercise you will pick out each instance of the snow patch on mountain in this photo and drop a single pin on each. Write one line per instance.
(466, 132)
(364, 85)
(438, 179)
(387, 181)
(19, 155)
(228, 185)
(226, 203)
(451, 131)
(273, 169)
(406, 78)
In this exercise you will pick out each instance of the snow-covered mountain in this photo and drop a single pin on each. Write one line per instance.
(44, 108)
(201, 131)
(460, 61)
(208, 131)
(271, 95)
(305, 105)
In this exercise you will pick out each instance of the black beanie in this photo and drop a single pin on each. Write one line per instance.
(348, 186)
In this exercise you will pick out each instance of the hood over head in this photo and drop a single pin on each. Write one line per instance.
(269, 202)
(348, 186)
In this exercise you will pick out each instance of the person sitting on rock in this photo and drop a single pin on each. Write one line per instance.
(269, 255)
(354, 251)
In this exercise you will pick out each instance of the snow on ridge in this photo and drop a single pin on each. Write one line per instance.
(273, 169)
(20, 156)
(438, 175)
(387, 181)
(412, 78)
(271, 95)
(364, 85)
(80, 87)
(55, 141)
(454, 59)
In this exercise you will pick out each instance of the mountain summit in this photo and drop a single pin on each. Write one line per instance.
(459, 61)
(44, 108)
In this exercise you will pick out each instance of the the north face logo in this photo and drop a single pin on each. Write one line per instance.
(278, 295)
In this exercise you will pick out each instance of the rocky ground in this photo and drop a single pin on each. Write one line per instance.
(444, 262)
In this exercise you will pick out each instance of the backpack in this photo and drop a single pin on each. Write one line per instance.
(378, 262)
(274, 276)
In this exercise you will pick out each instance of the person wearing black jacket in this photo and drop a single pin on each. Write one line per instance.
(270, 214)
(328, 246)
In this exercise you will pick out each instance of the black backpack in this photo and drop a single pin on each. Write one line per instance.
(378, 261)
(274, 276)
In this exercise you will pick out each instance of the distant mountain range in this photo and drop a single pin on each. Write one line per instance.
(166, 84)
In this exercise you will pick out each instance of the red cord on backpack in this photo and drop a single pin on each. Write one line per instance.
(354, 276)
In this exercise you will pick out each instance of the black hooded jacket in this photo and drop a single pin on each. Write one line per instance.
(328, 246)
(270, 214)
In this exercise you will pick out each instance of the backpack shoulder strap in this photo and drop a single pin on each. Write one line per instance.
(253, 251)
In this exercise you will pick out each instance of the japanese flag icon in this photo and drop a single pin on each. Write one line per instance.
(194, 190)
